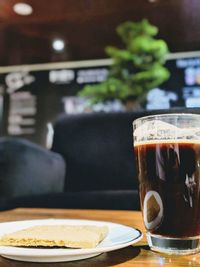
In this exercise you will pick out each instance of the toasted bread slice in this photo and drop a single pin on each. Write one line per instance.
(72, 236)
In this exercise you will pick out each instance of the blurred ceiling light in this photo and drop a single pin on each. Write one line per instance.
(23, 9)
(58, 44)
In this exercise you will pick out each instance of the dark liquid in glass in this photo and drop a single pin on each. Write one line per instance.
(172, 171)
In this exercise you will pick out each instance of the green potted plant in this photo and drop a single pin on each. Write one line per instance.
(136, 68)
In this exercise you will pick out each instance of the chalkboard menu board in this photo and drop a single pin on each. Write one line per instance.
(32, 98)
(183, 86)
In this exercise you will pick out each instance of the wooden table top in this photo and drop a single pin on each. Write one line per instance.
(137, 255)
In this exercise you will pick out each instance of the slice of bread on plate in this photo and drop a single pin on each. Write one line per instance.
(71, 236)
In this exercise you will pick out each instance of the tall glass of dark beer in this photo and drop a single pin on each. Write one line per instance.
(167, 150)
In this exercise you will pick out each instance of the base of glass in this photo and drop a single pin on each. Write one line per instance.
(176, 246)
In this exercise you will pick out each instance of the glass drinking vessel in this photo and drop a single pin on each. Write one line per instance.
(167, 150)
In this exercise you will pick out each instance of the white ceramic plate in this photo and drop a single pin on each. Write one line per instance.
(119, 236)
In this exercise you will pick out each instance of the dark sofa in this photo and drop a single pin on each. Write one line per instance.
(28, 173)
(100, 164)
(98, 156)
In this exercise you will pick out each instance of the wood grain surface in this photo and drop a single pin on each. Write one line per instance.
(137, 255)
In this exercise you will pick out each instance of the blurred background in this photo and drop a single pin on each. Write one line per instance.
(50, 50)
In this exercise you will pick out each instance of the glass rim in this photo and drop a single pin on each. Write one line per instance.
(164, 115)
